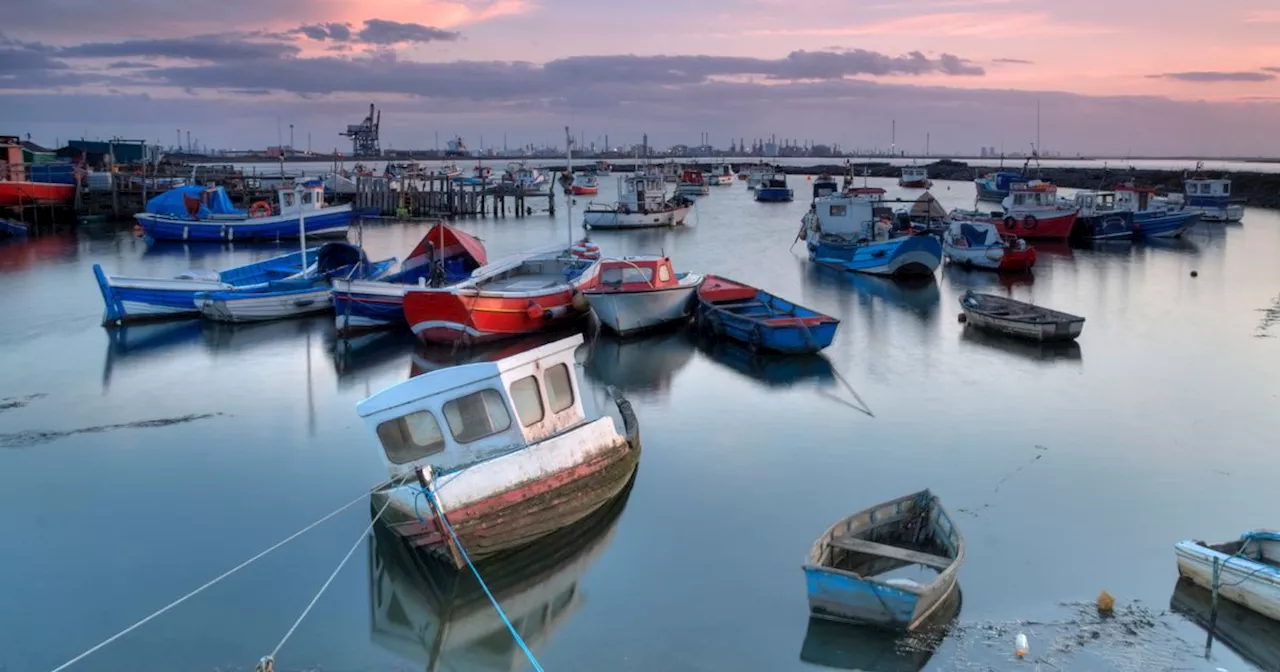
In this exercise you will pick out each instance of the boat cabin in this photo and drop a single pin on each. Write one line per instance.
(825, 185)
(1092, 203)
(641, 193)
(635, 274)
(1135, 199)
(773, 179)
(305, 197)
(459, 416)
(845, 216)
(691, 176)
(724, 170)
(1200, 191)
(915, 173)
(1001, 180)
(1031, 197)
(873, 194)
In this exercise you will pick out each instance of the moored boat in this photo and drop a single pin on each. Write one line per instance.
(996, 186)
(511, 451)
(1212, 198)
(1017, 318)
(915, 177)
(721, 175)
(692, 183)
(1252, 636)
(522, 294)
(1099, 218)
(825, 185)
(585, 184)
(206, 214)
(847, 233)
(773, 188)
(443, 257)
(638, 293)
(844, 566)
(1031, 211)
(670, 172)
(755, 175)
(1245, 571)
(765, 322)
(980, 245)
(603, 168)
(22, 193)
(1154, 217)
(642, 203)
(522, 179)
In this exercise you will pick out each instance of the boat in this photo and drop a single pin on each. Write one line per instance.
(522, 294)
(926, 213)
(692, 183)
(12, 228)
(1155, 217)
(1211, 197)
(1251, 636)
(915, 177)
(996, 186)
(845, 566)
(23, 193)
(304, 294)
(443, 257)
(448, 169)
(642, 203)
(134, 299)
(840, 646)
(206, 214)
(603, 168)
(721, 175)
(526, 452)
(756, 174)
(825, 185)
(980, 245)
(1245, 571)
(846, 232)
(1032, 211)
(585, 184)
(1016, 318)
(732, 310)
(638, 293)
(773, 188)
(671, 172)
(521, 179)
(480, 175)
(1099, 218)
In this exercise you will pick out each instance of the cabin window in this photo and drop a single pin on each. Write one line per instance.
(411, 437)
(476, 416)
(306, 198)
(286, 199)
(1226, 188)
(838, 210)
(664, 273)
(559, 389)
(528, 400)
(626, 275)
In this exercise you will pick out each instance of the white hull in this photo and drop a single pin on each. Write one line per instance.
(1035, 332)
(981, 257)
(629, 312)
(1247, 583)
(261, 307)
(613, 219)
(1231, 213)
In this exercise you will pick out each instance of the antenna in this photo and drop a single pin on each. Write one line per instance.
(568, 159)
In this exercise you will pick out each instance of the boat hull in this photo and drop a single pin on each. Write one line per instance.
(365, 305)
(17, 194)
(626, 313)
(445, 316)
(993, 258)
(615, 219)
(263, 306)
(1044, 332)
(1248, 583)
(765, 322)
(774, 195)
(915, 184)
(898, 257)
(989, 193)
(1165, 225)
(327, 222)
(1111, 226)
(585, 191)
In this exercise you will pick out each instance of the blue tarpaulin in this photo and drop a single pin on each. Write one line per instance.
(213, 201)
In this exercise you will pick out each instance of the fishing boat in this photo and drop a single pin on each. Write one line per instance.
(521, 179)
(915, 177)
(756, 174)
(847, 233)
(12, 228)
(996, 186)
(603, 168)
(998, 314)
(721, 175)
(845, 572)
(443, 257)
(638, 293)
(480, 175)
(1245, 571)
(825, 185)
(671, 172)
(1211, 197)
(1032, 211)
(206, 214)
(773, 188)
(511, 451)
(304, 294)
(732, 310)
(1155, 217)
(642, 203)
(522, 294)
(980, 245)
(134, 299)
(1099, 218)
(585, 184)
(693, 183)
(22, 193)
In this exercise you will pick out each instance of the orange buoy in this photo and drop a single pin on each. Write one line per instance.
(260, 209)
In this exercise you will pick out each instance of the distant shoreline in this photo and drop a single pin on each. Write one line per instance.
(857, 160)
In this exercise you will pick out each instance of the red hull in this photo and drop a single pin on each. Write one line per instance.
(443, 316)
(585, 191)
(1031, 227)
(915, 184)
(18, 194)
(1018, 261)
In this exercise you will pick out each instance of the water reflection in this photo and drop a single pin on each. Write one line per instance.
(426, 612)
(980, 280)
(769, 369)
(370, 352)
(1179, 245)
(851, 647)
(641, 366)
(429, 357)
(1252, 637)
(22, 253)
(916, 296)
(1044, 352)
(237, 339)
(147, 342)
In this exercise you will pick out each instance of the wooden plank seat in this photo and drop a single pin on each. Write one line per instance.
(887, 551)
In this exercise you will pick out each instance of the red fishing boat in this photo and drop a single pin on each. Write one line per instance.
(523, 294)
(17, 194)
(1031, 211)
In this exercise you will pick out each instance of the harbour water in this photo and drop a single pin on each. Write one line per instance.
(137, 464)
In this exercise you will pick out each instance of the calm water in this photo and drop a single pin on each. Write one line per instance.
(1071, 471)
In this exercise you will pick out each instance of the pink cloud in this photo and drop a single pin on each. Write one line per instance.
(441, 13)
(956, 24)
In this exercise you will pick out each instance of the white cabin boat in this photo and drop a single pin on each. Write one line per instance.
(511, 450)
(642, 203)
(520, 178)
(1247, 570)
(757, 174)
(1212, 198)
(915, 177)
(721, 175)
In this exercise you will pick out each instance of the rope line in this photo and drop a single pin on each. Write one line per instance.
(207, 585)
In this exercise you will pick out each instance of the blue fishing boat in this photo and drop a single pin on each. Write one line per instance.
(848, 569)
(1099, 217)
(997, 185)
(1154, 217)
(10, 228)
(773, 188)
(845, 232)
(443, 257)
(134, 299)
(1212, 198)
(728, 309)
(206, 214)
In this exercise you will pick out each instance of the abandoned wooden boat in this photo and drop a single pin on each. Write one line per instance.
(761, 320)
(1017, 318)
(513, 450)
(844, 570)
(638, 293)
(1245, 571)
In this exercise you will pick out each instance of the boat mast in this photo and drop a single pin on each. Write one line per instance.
(568, 159)
(302, 227)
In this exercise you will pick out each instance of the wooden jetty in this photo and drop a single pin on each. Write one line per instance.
(433, 197)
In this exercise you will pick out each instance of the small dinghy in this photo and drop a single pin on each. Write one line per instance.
(847, 571)
(761, 320)
(1016, 318)
(1245, 571)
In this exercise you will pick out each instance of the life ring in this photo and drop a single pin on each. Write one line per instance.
(1010, 223)
(260, 209)
(1030, 222)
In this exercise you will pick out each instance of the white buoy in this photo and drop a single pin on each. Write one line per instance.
(1020, 646)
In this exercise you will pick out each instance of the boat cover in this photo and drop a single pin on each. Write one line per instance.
(213, 201)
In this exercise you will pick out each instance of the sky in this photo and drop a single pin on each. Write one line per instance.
(1141, 78)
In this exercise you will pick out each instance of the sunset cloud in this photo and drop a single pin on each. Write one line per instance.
(953, 24)
(1211, 77)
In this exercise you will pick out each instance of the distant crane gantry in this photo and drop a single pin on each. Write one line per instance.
(364, 136)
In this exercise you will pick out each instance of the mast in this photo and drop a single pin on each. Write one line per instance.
(302, 227)
(568, 159)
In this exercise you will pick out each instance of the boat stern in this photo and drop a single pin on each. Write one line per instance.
(846, 598)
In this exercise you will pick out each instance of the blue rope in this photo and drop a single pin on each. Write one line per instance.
(435, 504)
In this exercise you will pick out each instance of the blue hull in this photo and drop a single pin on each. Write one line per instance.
(774, 195)
(894, 607)
(987, 193)
(761, 324)
(1165, 225)
(356, 311)
(320, 223)
(905, 256)
(1111, 226)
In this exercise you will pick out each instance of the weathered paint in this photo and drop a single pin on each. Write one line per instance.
(1248, 583)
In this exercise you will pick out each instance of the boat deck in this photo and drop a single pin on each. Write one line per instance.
(863, 546)
(526, 283)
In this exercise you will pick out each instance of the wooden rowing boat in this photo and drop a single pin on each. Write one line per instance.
(1020, 319)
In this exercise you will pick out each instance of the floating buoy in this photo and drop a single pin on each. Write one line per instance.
(962, 318)
(1195, 274)
(1106, 603)
(1021, 646)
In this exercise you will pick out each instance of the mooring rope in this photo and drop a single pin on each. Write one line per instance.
(439, 512)
(363, 496)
